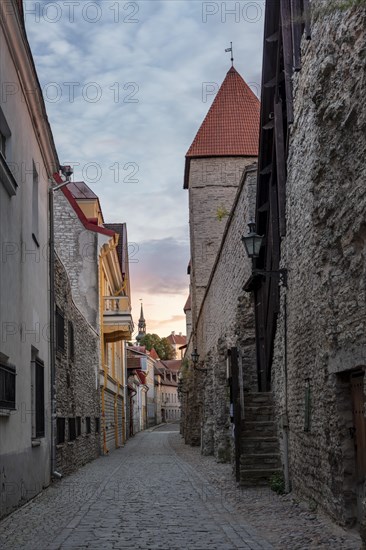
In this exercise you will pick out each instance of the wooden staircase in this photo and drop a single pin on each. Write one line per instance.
(260, 456)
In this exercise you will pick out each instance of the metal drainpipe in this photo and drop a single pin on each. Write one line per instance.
(285, 425)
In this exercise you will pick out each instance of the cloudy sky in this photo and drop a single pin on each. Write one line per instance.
(127, 85)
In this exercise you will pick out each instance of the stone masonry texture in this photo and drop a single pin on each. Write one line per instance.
(225, 319)
(324, 252)
(77, 394)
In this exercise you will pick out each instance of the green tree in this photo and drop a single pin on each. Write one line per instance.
(162, 346)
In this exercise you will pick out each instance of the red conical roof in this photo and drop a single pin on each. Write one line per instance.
(231, 126)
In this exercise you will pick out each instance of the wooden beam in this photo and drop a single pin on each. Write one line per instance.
(296, 27)
(287, 56)
(280, 166)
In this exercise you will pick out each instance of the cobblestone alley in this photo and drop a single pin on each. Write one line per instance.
(158, 493)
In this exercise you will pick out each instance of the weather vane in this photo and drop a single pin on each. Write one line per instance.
(232, 53)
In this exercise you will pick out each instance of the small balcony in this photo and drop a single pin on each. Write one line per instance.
(117, 318)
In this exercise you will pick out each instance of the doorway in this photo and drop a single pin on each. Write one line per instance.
(358, 433)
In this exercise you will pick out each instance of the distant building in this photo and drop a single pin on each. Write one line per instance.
(168, 371)
(177, 341)
(140, 361)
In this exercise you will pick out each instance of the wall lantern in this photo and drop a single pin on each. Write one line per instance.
(252, 242)
(195, 357)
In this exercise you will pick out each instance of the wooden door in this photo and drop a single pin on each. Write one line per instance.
(359, 432)
(358, 408)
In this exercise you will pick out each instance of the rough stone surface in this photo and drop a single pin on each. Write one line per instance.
(186, 501)
(324, 251)
(76, 380)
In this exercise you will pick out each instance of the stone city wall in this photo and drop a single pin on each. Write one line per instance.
(324, 252)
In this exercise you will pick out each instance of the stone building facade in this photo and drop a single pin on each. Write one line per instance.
(225, 319)
(221, 201)
(324, 252)
(77, 359)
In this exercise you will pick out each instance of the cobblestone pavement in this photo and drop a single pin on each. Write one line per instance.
(158, 493)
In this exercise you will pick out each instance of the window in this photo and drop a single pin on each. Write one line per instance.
(39, 397)
(87, 425)
(35, 223)
(7, 386)
(60, 330)
(97, 425)
(71, 340)
(7, 178)
(78, 426)
(60, 431)
(72, 429)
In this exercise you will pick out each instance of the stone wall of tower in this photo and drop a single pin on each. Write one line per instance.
(325, 252)
(213, 184)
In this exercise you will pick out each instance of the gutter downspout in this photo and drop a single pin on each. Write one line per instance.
(51, 190)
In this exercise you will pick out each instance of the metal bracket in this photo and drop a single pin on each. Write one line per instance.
(282, 273)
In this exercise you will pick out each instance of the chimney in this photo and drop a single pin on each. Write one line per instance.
(173, 332)
(180, 334)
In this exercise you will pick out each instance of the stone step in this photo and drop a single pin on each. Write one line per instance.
(259, 428)
(260, 461)
(251, 478)
(258, 412)
(259, 445)
(259, 398)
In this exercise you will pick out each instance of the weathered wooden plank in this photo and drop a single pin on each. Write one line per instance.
(307, 19)
(280, 166)
(296, 27)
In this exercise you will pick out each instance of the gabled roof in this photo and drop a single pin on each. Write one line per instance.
(231, 127)
(153, 354)
(172, 364)
(177, 339)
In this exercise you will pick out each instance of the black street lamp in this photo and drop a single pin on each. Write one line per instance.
(253, 244)
(195, 358)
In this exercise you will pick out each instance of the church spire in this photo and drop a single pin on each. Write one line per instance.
(142, 325)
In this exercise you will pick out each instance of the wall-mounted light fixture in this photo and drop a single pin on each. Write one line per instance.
(253, 244)
(195, 358)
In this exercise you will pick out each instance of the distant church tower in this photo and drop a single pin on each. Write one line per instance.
(142, 326)
(225, 144)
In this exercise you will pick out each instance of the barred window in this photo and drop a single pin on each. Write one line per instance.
(72, 429)
(7, 386)
(60, 330)
(87, 425)
(78, 426)
(39, 397)
(71, 347)
(60, 431)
